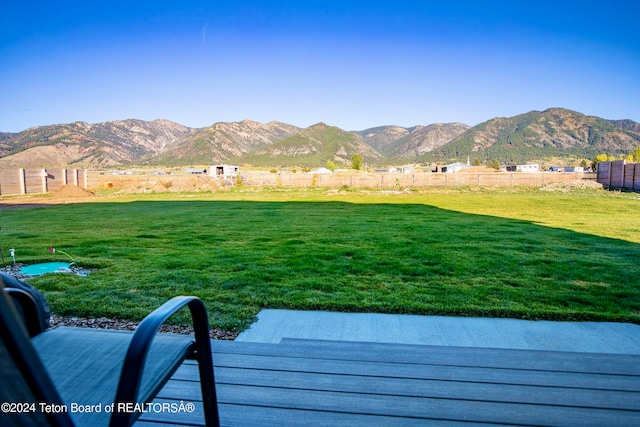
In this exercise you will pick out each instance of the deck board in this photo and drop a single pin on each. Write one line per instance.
(386, 385)
(421, 371)
(441, 355)
(302, 382)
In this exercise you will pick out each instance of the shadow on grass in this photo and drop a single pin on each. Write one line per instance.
(387, 258)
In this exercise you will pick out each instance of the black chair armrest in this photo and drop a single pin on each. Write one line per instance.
(34, 307)
(27, 308)
(131, 376)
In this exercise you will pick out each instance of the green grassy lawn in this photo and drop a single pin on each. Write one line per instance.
(501, 253)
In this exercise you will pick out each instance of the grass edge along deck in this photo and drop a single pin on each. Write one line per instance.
(306, 382)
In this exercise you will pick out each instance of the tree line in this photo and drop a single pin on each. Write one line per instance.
(632, 157)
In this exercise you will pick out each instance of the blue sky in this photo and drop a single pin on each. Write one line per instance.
(351, 64)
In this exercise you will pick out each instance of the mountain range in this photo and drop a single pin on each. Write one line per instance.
(535, 135)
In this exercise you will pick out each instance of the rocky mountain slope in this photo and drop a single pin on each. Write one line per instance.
(97, 145)
(314, 146)
(396, 141)
(534, 135)
(627, 124)
(221, 142)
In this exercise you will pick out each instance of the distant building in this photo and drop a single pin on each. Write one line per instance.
(224, 172)
(454, 167)
(574, 169)
(321, 171)
(195, 171)
(533, 167)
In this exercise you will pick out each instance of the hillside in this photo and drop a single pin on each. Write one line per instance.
(314, 146)
(395, 141)
(627, 124)
(223, 141)
(535, 135)
(88, 145)
(5, 136)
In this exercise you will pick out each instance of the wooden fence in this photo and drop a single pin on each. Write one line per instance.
(30, 181)
(25, 181)
(362, 180)
(619, 174)
(411, 180)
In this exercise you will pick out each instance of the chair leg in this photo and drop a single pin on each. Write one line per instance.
(208, 386)
(205, 365)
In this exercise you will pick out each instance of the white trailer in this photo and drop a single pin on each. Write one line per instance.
(224, 172)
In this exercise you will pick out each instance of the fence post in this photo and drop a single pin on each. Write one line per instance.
(22, 177)
(45, 176)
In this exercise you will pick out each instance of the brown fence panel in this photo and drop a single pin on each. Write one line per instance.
(603, 173)
(56, 178)
(83, 181)
(11, 181)
(617, 173)
(629, 175)
(35, 180)
(490, 179)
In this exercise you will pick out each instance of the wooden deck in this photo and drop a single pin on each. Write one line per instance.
(316, 383)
